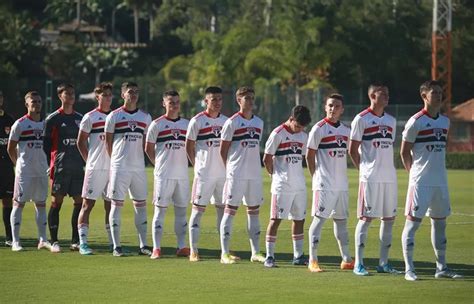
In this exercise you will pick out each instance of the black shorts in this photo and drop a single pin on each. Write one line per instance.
(67, 182)
(6, 182)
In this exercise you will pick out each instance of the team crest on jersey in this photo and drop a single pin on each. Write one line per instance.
(175, 133)
(7, 130)
(132, 125)
(332, 153)
(430, 148)
(216, 130)
(37, 134)
(383, 130)
(376, 144)
(251, 131)
(438, 133)
(339, 140)
(294, 147)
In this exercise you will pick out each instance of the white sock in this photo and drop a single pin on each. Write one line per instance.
(141, 221)
(438, 240)
(109, 234)
(158, 223)
(15, 220)
(385, 236)
(219, 215)
(180, 226)
(195, 226)
(41, 221)
(270, 241)
(314, 235)
(83, 230)
(360, 238)
(253, 229)
(115, 217)
(408, 243)
(298, 240)
(226, 229)
(342, 237)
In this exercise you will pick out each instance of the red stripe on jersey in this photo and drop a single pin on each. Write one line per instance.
(430, 131)
(98, 124)
(27, 132)
(375, 129)
(244, 130)
(332, 138)
(205, 130)
(279, 128)
(419, 114)
(288, 144)
(125, 123)
(166, 132)
(321, 123)
(365, 112)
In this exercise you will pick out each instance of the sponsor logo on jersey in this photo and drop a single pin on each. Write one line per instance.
(30, 145)
(376, 144)
(332, 153)
(168, 145)
(102, 137)
(244, 144)
(69, 141)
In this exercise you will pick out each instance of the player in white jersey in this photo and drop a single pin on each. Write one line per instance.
(371, 150)
(283, 159)
(240, 151)
(91, 145)
(25, 148)
(202, 147)
(125, 130)
(165, 147)
(327, 164)
(423, 153)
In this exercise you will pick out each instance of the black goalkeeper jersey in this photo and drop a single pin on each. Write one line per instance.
(60, 137)
(6, 122)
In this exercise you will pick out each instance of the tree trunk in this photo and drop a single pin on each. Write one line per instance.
(135, 24)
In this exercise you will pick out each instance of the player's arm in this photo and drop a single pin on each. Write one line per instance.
(224, 150)
(405, 153)
(82, 144)
(191, 150)
(12, 152)
(354, 152)
(150, 151)
(268, 163)
(109, 141)
(311, 160)
(47, 139)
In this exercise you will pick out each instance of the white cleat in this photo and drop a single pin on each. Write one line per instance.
(16, 247)
(44, 245)
(258, 258)
(55, 248)
(410, 275)
(445, 273)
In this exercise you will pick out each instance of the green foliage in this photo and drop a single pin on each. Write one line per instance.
(463, 161)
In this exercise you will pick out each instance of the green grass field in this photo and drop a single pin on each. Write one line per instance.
(33, 276)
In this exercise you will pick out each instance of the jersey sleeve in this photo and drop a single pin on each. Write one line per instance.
(272, 143)
(410, 132)
(148, 123)
(305, 144)
(15, 132)
(86, 124)
(152, 133)
(357, 129)
(110, 123)
(47, 137)
(193, 130)
(228, 130)
(314, 138)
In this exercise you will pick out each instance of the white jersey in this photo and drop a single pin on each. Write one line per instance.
(168, 136)
(377, 135)
(93, 123)
(330, 140)
(206, 132)
(243, 160)
(288, 149)
(129, 129)
(31, 160)
(429, 137)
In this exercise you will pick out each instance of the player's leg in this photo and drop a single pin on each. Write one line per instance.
(138, 193)
(272, 229)
(232, 194)
(340, 229)
(6, 193)
(15, 222)
(194, 230)
(217, 201)
(297, 213)
(253, 198)
(107, 207)
(83, 225)
(77, 206)
(53, 220)
(118, 185)
(364, 208)
(181, 199)
(39, 194)
(322, 206)
(162, 190)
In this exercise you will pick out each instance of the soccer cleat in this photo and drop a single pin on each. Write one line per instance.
(84, 249)
(145, 250)
(410, 275)
(44, 245)
(156, 254)
(360, 270)
(74, 247)
(16, 246)
(300, 261)
(257, 258)
(234, 257)
(55, 248)
(8, 243)
(118, 252)
(227, 259)
(313, 266)
(270, 262)
(387, 268)
(194, 257)
(183, 252)
(445, 273)
(347, 265)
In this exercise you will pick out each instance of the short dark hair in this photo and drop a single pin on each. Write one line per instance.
(429, 85)
(244, 90)
(301, 115)
(30, 94)
(376, 85)
(335, 96)
(63, 87)
(101, 87)
(170, 93)
(213, 90)
(128, 84)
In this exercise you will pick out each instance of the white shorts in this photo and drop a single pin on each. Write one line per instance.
(248, 191)
(205, 191)
(133, 181)
(377, 200)
(95, 184)
(431, 201)
(171, 190)
(30, 188)
(328, 204)
(291, 206)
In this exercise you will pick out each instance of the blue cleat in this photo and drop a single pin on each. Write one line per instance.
(360, 270)
(84, 249)
(300, 261)
(387, 268)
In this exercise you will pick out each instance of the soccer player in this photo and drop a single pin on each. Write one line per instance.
(91, 145)
(6, 166)
(125, 130)
(25, 148)
(423, 153)
(66, 164)
(327, 164)
(371, 150)
(240, 141)
(283, 159)
(165, 147)
(202, 146)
